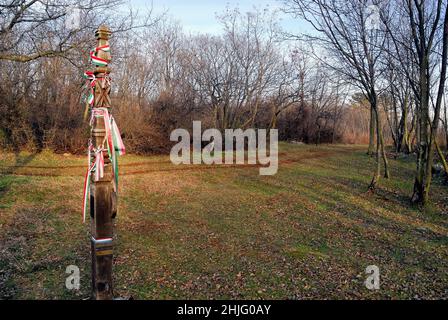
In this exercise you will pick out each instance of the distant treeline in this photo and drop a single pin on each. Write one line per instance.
(370, 72)
(163, 79)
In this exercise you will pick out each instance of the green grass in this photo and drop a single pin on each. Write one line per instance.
(199, 232)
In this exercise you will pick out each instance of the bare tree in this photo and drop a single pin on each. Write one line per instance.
(235, 72)
(397, 102)
(421, 28)
(31, 29)
(354, 49)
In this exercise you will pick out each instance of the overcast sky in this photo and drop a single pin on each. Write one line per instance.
(200, 15)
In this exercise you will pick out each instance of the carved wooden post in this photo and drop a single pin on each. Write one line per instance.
(102, 195)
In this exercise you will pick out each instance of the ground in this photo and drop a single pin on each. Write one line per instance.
(226, 232)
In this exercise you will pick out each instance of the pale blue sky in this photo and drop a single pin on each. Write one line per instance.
(199, 15)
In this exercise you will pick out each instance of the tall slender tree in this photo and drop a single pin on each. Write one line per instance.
(421, 29)
(349, 32)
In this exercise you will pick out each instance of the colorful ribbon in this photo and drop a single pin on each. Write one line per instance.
(114, 145)
(90, 76)
(116, 135)
(86, 190)
(112, 142)
(97, 61)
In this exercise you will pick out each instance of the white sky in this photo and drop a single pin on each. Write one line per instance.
(199, 16)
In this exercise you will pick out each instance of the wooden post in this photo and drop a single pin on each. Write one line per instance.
(102, 195)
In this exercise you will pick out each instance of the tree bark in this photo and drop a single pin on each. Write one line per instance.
(381, 153)
(435, 123)
(372, 127)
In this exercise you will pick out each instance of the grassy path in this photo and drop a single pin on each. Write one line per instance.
(197, 232)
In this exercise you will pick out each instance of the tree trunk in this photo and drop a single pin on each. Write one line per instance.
(405, 142)
(377, 174)
(371, 132)
(379, 147)
(379, 129)
(419, 195)
(434, 126)
(446, 126)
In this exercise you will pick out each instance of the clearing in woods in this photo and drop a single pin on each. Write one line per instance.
(206, 232)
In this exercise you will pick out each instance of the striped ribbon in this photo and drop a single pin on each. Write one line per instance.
(99, 164)
(116, 135)
(99, 62)
(112, 140)
(114, 146)
(86, 190)
(90, 76)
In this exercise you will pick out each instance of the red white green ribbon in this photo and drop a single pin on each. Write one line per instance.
(116, 136)
(99, 164)
(99, 62)
(89, 75)
(114, 146)
(86, 190)
(104, 48)
(112, 140)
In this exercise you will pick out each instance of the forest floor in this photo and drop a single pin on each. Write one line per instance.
(222, 232)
